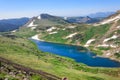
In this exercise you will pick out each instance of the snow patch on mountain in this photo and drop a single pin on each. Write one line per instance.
(32, 24)
(53, 32)
(14, 31)
(64, 29)
(71, 27)
(89, 42)
(39, 17)
(107, 45)
(118, 27)
(50, 29)
(108, 54)
(36, 37)
(71, 35)
(33, 28)
(65, 18)
(113, 37)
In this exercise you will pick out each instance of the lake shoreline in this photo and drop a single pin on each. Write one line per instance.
(52, 47)
(37, 38)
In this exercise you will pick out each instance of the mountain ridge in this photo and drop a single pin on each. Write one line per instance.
(12, 24)
(15, 23)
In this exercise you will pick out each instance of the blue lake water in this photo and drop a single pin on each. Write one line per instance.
(73, 52)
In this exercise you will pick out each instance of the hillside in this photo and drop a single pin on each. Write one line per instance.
(25, 52)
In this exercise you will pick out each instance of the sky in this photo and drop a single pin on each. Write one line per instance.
(30, 8)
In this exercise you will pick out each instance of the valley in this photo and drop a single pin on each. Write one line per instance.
(101, 38)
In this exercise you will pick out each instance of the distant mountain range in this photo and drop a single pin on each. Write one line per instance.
(85, 19)
(49, 20)
(11, 24)
(101, 14)
(92, 18)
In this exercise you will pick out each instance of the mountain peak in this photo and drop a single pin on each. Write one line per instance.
(46, 16)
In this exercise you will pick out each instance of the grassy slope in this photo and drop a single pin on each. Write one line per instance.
(59, 37)
(85, 33)
(25, 32)
(95, 32)
(25, 52)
